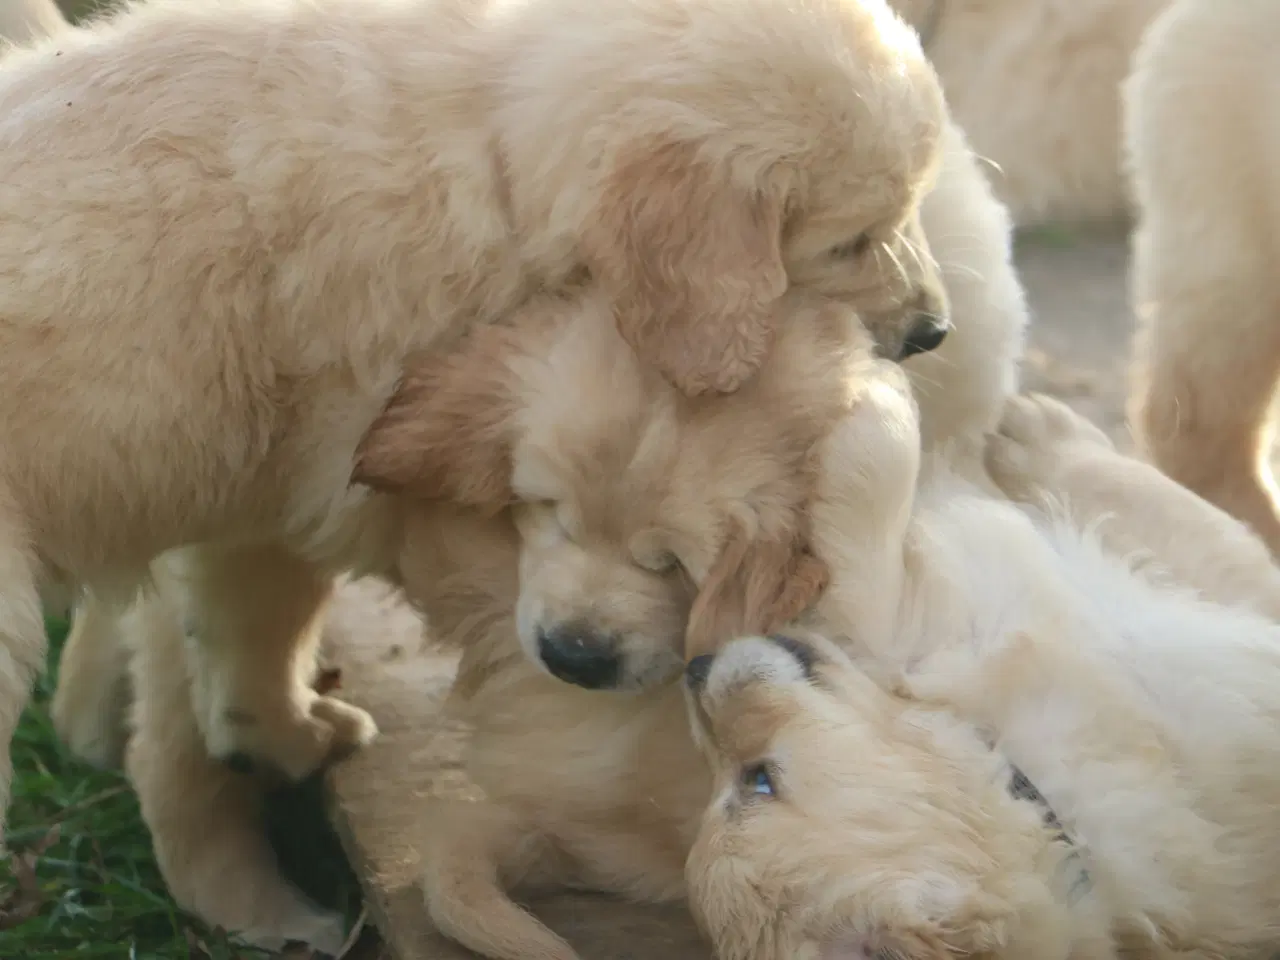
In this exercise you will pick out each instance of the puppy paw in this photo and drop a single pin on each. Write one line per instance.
(1036, 438)
(94, 723)
(320, 930)
(313, 734)
(940, 680)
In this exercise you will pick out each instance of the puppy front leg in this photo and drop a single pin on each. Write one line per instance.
(257, 613)
(91, 704)
(475, 852)
(205, 820)
(1045, 453)
(868, 469)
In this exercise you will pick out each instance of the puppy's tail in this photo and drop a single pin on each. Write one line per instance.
(472, 848)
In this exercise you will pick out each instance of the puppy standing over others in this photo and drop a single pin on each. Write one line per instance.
(225, 227)
(1063, 757)
(1036, 86)
(1203, 134)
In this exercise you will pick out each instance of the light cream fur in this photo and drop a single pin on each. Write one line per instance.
(22, 21)
(225, 227)
(1146, 714)
(1036, 86)
(1203, 138)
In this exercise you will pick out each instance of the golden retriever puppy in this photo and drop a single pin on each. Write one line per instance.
(1201, 120)
(619, 480)
(224, 227)
(1036, 86)
(1048, 754)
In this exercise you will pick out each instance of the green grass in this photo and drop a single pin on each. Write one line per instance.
(86, 883)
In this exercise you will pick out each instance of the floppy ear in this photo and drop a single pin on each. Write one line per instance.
(756, 586)
(446, 433)
(694, 265)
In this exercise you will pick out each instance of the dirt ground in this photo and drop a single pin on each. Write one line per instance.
(1078, 349)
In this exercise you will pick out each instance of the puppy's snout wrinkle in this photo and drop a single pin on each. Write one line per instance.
(926, 334)
(580, 655)
(697, 670)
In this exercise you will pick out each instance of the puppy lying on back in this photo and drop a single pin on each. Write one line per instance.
(225, 227)
(1064, 757)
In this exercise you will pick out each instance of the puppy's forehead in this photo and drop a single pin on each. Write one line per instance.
(590, 418)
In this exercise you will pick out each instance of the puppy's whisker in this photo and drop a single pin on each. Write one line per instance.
(888, 251)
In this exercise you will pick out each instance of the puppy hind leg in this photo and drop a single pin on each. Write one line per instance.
(258, 613)
(1202, 410)
(91, 703)
(205, 820)
(1044, 453)
(473, 853)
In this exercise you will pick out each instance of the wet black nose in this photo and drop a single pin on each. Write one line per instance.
(926, 334)
(697, 670)
(579, 655)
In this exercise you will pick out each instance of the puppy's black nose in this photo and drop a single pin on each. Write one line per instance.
(926, 335)
(579, 655)
(697, 670)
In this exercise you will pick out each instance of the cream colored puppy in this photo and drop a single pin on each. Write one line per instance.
(1203, 138)
(1036, 86)
(1064, 758)
(224, 227)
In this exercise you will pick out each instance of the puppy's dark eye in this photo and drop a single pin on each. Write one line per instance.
(852, 249)
(757, 780)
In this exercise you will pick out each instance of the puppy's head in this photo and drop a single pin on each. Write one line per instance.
(627, 493)
(846, 824)
(708, 156)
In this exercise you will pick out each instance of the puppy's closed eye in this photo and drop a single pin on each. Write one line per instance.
(852, 249)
